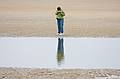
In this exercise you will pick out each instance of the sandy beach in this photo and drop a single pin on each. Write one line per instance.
(84, 18)
(36, 18)
(27, 73)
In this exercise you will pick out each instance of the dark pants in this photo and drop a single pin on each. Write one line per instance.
(60, 23)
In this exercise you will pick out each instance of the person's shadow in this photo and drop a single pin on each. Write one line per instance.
(60, 51)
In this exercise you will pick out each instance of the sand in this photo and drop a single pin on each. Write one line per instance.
(28, 73)
(84, 18)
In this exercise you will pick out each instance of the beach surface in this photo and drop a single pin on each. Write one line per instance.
(36, 18)
(28, 73)
(84, 18)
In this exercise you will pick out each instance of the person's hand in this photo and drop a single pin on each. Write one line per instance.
(59, 12)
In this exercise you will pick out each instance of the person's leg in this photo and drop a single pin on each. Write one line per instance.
(62, 24)
(58, 24)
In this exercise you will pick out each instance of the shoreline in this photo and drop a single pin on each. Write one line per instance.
(51, 32)
(55, 36)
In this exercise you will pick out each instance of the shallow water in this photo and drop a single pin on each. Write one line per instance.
(60, 52)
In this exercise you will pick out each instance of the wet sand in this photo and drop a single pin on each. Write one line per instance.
(27, 73)
(84, 18)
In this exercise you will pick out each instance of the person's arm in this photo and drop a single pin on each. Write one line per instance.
(56, 13)
(63, 13)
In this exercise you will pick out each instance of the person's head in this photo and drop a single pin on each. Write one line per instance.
(58, 8)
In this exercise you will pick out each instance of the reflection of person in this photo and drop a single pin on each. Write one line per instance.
(60, 20)
(60, 51)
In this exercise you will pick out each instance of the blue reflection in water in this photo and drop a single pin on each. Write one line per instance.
(60, 51)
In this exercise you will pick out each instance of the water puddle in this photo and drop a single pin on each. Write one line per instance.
(60, 52)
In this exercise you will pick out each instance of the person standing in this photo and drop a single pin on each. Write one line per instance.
(60, 20)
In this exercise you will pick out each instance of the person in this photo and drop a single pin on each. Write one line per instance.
(60, 20)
